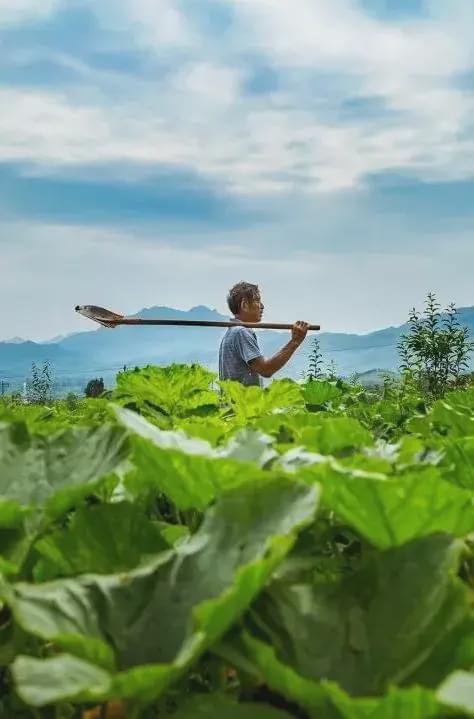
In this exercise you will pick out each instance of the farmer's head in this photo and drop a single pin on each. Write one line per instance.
(245, 302)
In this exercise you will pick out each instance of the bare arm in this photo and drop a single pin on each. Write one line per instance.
(267, 367)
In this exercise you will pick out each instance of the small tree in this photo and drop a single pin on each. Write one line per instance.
(72, 401)
(354, 379)
(40, 385)
(315, 362)
(436, 349)
(331, 371)
(95, 388)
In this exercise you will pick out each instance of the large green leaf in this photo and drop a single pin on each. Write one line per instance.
(454, 652)
(462, 400)
(458, 691)
(323, 700)
(57, 469)
(170, 610)
(177, 390)
(102, 539)
(413, 703)
(216, 706)
(253, 445)
(451, 416)
(457, 422)
(189, 471)
(59, 415)
(210, 429)
(249, 403)
(391, 511)
(321, 432)
(164, 439)
(190, 482)
(249, 445)
(66, 678)
(374, 628)
(458, 462)
(318, 392)
(259, 660)
(62, 678)
(332, 435)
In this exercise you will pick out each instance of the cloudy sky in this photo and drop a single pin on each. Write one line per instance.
(157, 151)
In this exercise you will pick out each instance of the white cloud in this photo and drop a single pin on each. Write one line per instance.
(296, 138)
(151, 24)
(17, 11)
(197, 116)
(337, 34)
(204, 82)
(63, 266)
(252, 149)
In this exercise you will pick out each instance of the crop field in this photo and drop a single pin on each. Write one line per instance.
(184, 549)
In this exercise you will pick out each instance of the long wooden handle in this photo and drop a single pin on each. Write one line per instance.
(206, 323)
(107, 318)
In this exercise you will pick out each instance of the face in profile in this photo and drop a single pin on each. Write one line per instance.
(253, 309)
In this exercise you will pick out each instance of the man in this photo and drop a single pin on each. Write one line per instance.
(240, 357)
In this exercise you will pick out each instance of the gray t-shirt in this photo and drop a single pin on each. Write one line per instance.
(238, 347)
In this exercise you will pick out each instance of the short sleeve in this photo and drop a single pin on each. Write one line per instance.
(246, 344)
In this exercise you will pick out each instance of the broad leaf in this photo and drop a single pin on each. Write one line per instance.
(374, 628)
(458, 692)
(177, 390)
(458, 462)
(335, 434)
(101, 539)
(164, 439)
(57, 469)
(249, 403)
(318, 392)
(215, 706)
(169, 611)
(62, 678)
(189, 481)
(391, 511)
(324, 700)
(413, 703)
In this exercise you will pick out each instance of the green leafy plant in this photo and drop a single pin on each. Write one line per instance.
(177, 550)
(436, 349)
(331, 371)
(40, 385)
(315, 362)
(95, 388)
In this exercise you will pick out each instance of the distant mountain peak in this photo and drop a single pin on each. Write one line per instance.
(56, 339)
(167, 313)
(101, 352)
(14, 341)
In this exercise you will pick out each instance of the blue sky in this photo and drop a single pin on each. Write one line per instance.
(156, 152)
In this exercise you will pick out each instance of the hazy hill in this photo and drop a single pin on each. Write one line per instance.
(101, 352)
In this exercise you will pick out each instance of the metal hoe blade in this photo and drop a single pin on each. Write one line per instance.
(104, 317)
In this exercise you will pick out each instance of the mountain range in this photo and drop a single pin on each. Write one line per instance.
(103, 352)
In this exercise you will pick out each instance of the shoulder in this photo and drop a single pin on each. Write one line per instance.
(242, 332)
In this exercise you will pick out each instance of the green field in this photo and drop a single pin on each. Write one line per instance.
(198, 551)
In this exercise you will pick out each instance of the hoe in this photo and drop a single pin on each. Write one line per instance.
(106, 318)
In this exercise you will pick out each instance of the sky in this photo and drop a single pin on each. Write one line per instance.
(155, 152)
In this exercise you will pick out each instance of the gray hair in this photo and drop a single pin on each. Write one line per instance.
(239, 292)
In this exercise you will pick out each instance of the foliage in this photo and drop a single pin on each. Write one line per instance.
(95, 388)
(436, 349)
(40, 385)
(315, 361)
(182, 549)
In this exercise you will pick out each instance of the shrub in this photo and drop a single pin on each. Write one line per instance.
(436, 349)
